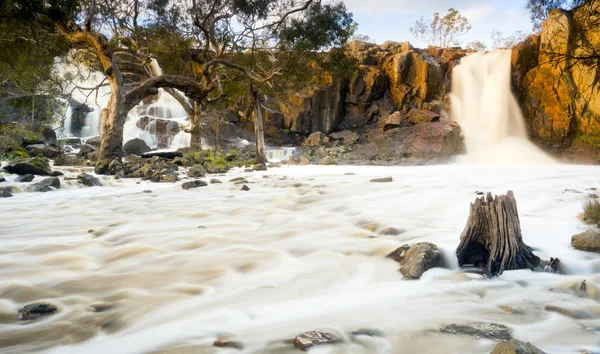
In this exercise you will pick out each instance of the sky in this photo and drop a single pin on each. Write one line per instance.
(391, 19)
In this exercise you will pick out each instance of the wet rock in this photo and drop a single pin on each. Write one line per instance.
(417, 259)
(194, 184)
(85, 150)
(35, 311)
(577, 314)
(56, 174)
(214, 180)
(68, 160)
(43, 150)
(34, 166)
(480, 330)
(553, 266)
(25, 178)
(245, 188)
(587, 241)
(2, 179)
(45, 185)
(419, 116)
(516, 347)
(164, 176)
(259, 167)
(347, 137)
(95, 141)
(100, 307)
(308, 340)
(303, 160)
(327, 160)
(391, 231)
(224, 343)
(314, 139)
(382, 180)
(182, 161)
(169, 155)
(238, 180)
(248, 170)
(5, 194)
(89, 180)
(196, 171)
(136, 147)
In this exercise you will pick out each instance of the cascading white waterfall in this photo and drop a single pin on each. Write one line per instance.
(488, 113)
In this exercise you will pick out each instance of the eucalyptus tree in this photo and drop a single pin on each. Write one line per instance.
(216, 40)
(442, 31)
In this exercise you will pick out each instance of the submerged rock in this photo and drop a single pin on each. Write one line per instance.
(417, 259)
(238, 180)
(25, 178)
(382, 180)
(587, 241)
(56, 174)
(224, 343)
(35, 311)
(89, 180)
(577, 314)
(45, 185)
(100, 307)
(194, 184)
(310, 339)
(214, 180)
(34, 166)
(480, 330)
(5, 194)
(391, 231)
(516, 347)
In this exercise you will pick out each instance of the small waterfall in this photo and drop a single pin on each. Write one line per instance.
(92, 123)
(488, 113)
(279, 154)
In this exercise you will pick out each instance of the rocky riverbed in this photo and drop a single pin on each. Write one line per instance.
(138, 267)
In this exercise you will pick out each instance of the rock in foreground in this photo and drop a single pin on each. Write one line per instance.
(34, 166)
(516, 347)
(136, 147)
(587, 241)
(382, 180)
(310, 339)
(89, 180)
(480, 330)
(417, 259)
(45, 185)
(34, 311)
(194, 184)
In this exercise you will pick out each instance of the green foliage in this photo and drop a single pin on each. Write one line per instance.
(538, 9)
(591, 209)
(592, 140)
(442, 31)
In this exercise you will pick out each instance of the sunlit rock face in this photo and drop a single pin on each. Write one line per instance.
(559, 93)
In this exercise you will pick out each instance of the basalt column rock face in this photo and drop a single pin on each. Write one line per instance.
(556, 76)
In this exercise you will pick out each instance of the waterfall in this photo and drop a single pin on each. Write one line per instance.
(279, 154)
(488, 113)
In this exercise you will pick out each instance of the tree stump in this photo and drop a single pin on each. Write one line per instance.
(492, 237)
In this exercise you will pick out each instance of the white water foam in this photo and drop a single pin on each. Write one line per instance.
(488, 113)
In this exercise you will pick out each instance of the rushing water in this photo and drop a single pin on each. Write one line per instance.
(488, 113)
(182, 268)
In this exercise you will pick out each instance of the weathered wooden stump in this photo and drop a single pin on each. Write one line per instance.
(492, 237)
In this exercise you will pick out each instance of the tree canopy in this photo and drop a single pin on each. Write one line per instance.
(538, 9)
(442, 31)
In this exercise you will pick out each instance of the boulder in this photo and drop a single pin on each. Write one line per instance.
(56, 174)
(214, 180)
(193, 184)
(516, 347)
(196, 171)
(396, 47)
(346, 136)
(89, 180)
(382, 180)
(25, 178)
(245, 188)
(43, 150)
(314, 139)
(587, 241)
(48, 135)
(34, 166)
(417, 259)
(136, 147)
(394, 120)
(327, 160)
(308, 340)
(95, 142)
(68, 160)
(436, 139)
(480, 330)
(36, 310)
(419, 116)
(303, 160)
(85, 150)
(259, 167)
(45, 185)
(2, 179)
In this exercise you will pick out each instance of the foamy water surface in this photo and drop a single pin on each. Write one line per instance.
(182, 268)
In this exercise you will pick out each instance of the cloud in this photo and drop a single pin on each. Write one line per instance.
(406, 7)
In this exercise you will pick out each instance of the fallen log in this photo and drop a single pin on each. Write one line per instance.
(492, 237)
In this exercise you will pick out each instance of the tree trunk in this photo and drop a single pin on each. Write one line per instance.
(33, 107)
(492, 237)
(259, 133)
(112, 119)
(196, 130)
